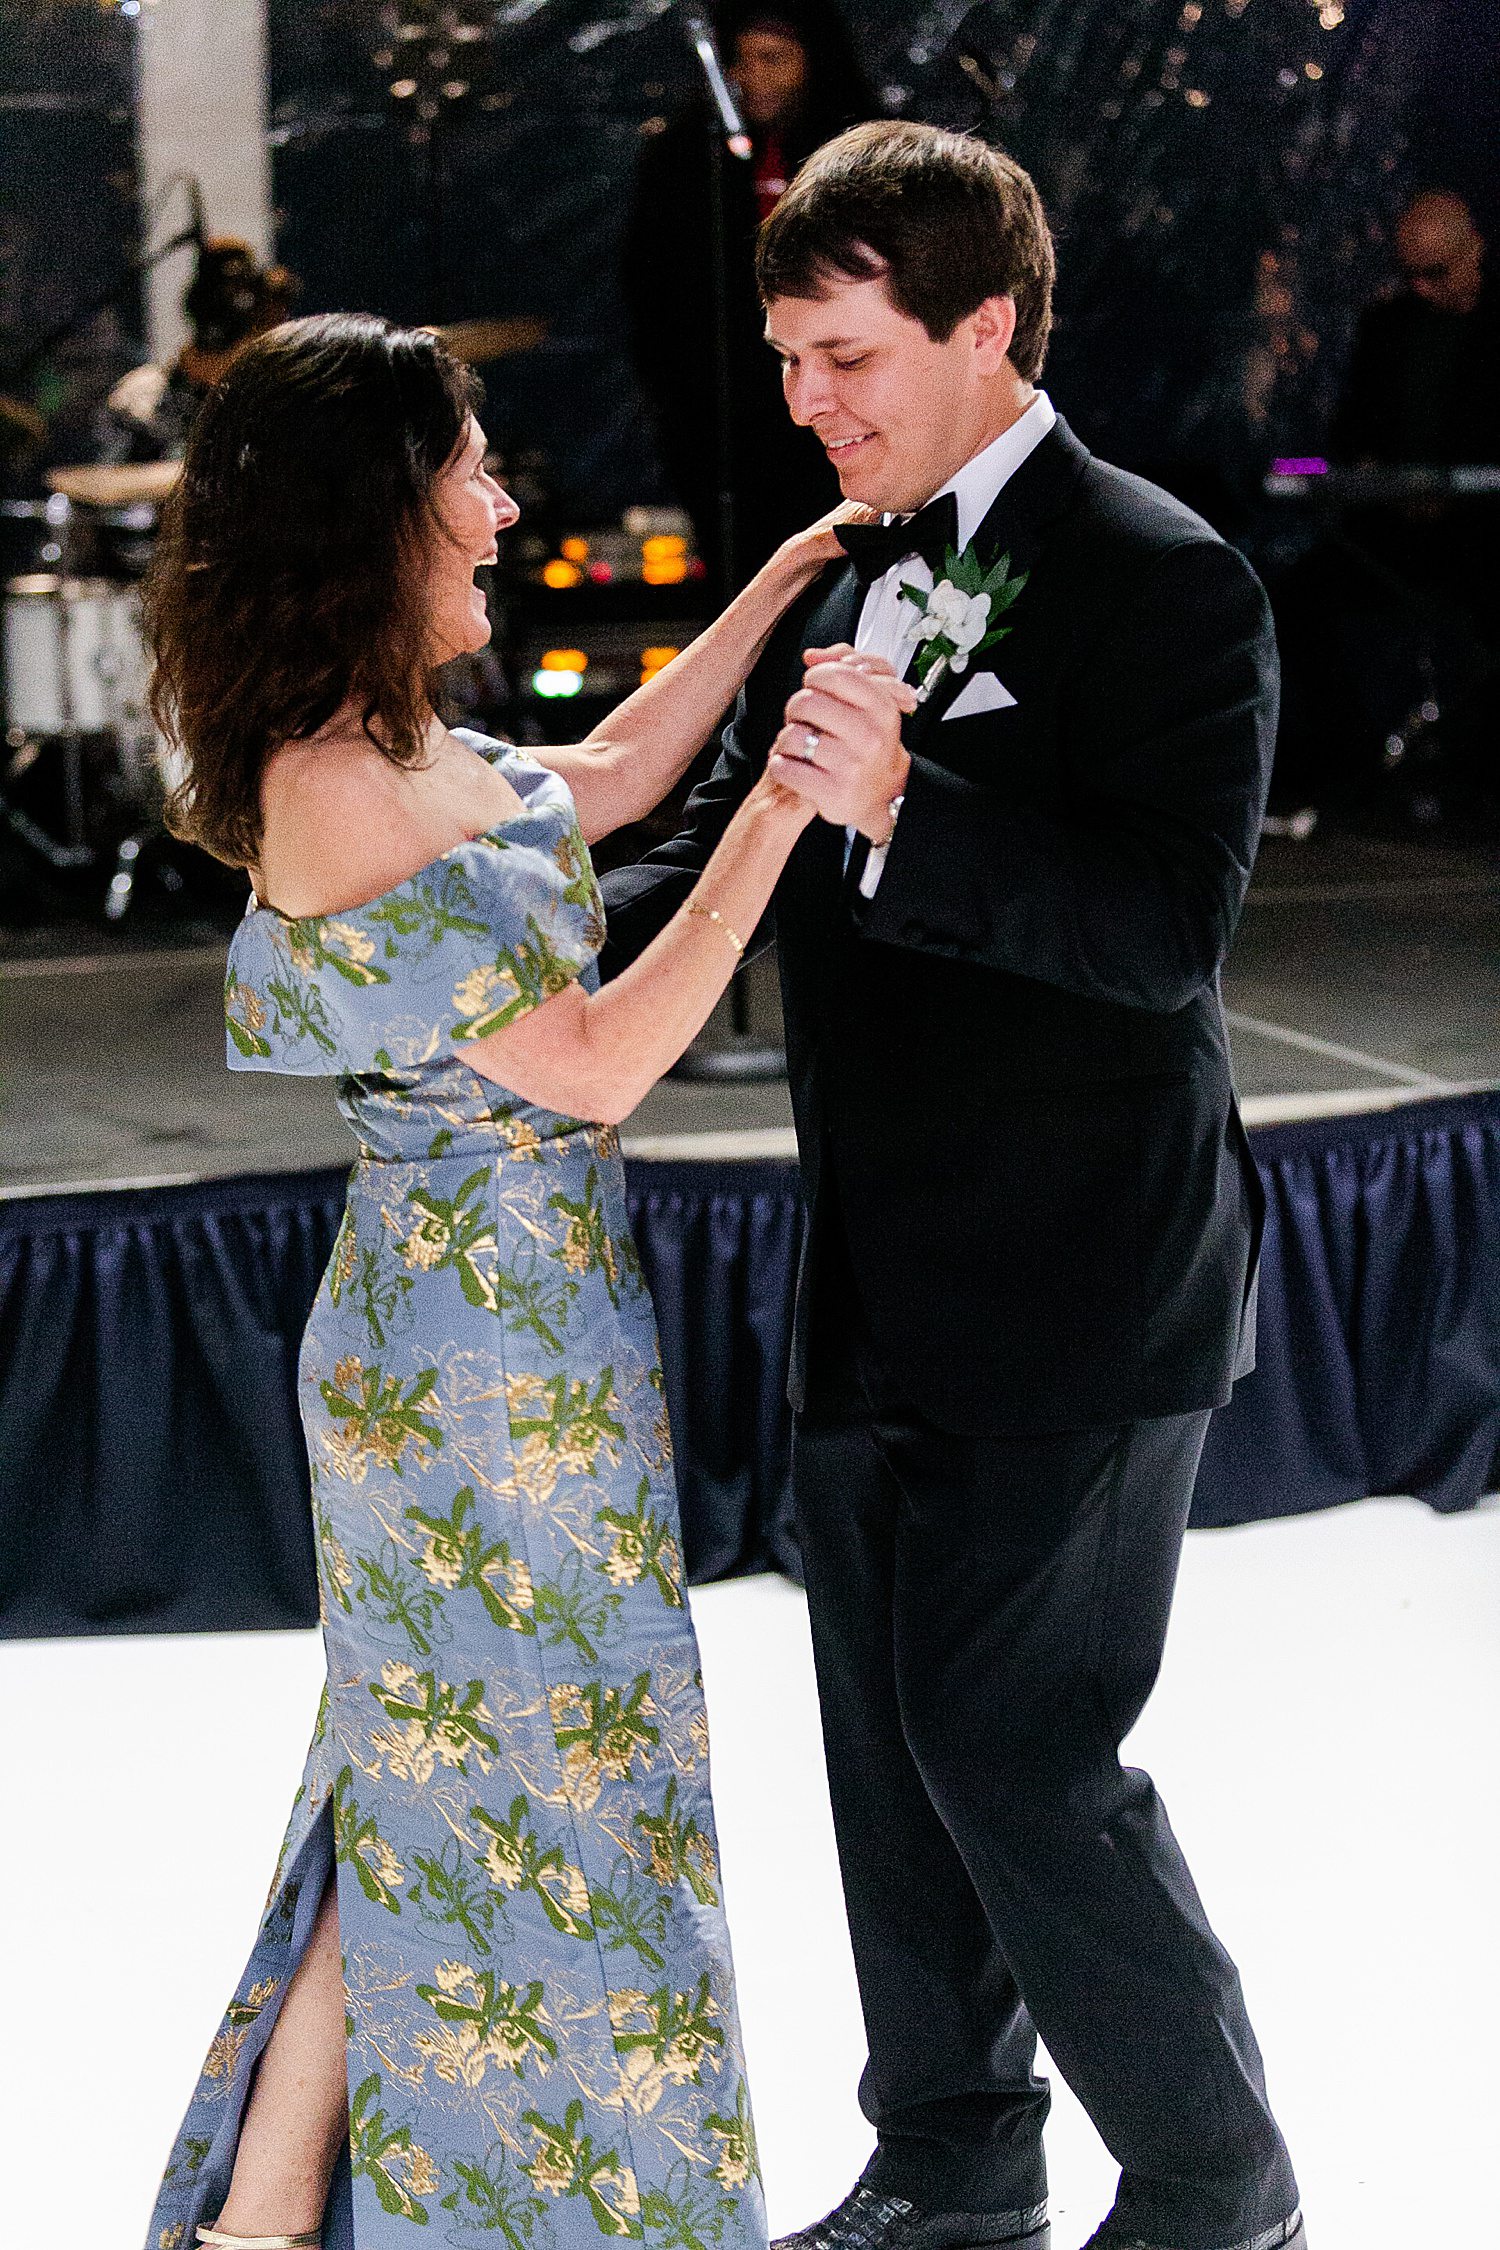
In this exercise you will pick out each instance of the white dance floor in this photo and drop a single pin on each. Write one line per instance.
(1325, 1735)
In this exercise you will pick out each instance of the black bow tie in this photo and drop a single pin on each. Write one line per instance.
(874, 547)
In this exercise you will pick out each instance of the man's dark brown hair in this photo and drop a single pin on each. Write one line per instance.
(946, 220)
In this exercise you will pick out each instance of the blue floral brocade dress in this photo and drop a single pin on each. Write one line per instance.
(509, 1771)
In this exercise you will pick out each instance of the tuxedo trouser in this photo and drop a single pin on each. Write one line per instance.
(988, 1617)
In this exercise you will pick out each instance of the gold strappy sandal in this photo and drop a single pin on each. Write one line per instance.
(217, 2241)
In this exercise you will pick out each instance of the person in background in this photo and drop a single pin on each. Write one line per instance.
(1423, 382)
(1399, 605)
(799, 82)
(229, 300)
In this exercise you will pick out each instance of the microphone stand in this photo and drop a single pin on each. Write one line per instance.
(726, 135)
(743, 1060)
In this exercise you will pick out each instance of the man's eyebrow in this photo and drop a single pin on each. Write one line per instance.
(821, 344)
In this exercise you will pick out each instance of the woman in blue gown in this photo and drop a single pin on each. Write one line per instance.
(491, 1992)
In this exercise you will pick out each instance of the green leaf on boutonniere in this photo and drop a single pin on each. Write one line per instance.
(965, 571)
(963, 575)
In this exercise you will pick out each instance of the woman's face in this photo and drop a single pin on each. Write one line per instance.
(474, 510)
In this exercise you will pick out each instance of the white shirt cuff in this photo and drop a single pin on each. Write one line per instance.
(874, 868)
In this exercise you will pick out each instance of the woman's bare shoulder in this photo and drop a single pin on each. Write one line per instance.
(340, 826)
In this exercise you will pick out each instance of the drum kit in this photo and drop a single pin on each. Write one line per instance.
(76, 669)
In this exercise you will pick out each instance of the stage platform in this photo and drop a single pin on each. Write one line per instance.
(1366, 968)
(164, 1222)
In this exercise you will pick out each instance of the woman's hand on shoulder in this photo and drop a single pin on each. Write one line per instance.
(807, 552)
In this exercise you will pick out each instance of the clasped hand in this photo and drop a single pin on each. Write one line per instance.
(840, 749)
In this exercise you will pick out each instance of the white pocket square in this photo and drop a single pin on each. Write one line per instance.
(983, 693)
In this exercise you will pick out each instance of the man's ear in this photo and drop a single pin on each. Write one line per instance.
(994, 327)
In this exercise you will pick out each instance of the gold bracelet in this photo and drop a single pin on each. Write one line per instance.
(712, 914)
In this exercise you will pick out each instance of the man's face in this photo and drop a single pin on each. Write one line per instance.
(770, 69)
(1441, 253)
(897, 413)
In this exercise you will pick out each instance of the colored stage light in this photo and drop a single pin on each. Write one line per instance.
(565, 660)
(560, 573)
(552, 684)
(664, 560)
(654, 660)
(575, 550)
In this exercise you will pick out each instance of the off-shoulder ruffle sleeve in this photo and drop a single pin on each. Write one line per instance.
(484, 934)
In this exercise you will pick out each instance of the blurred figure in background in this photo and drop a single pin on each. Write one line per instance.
(229, 299)
(1424, 378)
(799, 82)
(1400, 606)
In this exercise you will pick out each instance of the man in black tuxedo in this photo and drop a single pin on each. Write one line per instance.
(1032, 1214)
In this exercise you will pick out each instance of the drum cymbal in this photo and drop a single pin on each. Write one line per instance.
(104, 484)
(475, 340)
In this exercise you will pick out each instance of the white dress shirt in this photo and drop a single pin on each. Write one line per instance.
(888, 624)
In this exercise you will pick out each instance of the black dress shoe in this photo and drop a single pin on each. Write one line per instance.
(1289, 2234)
(868, 2220)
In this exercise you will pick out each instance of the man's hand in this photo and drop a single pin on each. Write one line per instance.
(841, 747)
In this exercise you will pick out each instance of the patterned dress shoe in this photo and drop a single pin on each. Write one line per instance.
(868, 2220)
(1290, 2234)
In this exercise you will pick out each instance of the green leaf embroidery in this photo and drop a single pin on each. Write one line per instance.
(380, 1418)
(645, 1546)
(458, 1555)
(680, 1851)
(397, 2168)
(568, 2164)
(501, 2204)
(359, 1845)
(515, 1859)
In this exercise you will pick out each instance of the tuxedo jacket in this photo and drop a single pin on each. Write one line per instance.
(1011, 1063)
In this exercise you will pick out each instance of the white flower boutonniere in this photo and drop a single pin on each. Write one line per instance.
(957, 615)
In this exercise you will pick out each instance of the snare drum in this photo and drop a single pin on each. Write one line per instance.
(74, 657)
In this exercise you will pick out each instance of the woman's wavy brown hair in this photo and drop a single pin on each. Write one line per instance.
(291, 571)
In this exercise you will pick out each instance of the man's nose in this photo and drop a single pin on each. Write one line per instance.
(806, 396)
(507, 511)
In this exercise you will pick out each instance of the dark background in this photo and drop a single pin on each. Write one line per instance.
(1214, 249)
(69, 212)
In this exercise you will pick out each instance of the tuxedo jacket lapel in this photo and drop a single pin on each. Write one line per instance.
(821, 846)
(837, 614)
(1017, 524)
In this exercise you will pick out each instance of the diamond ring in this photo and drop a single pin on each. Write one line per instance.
(812, 743)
